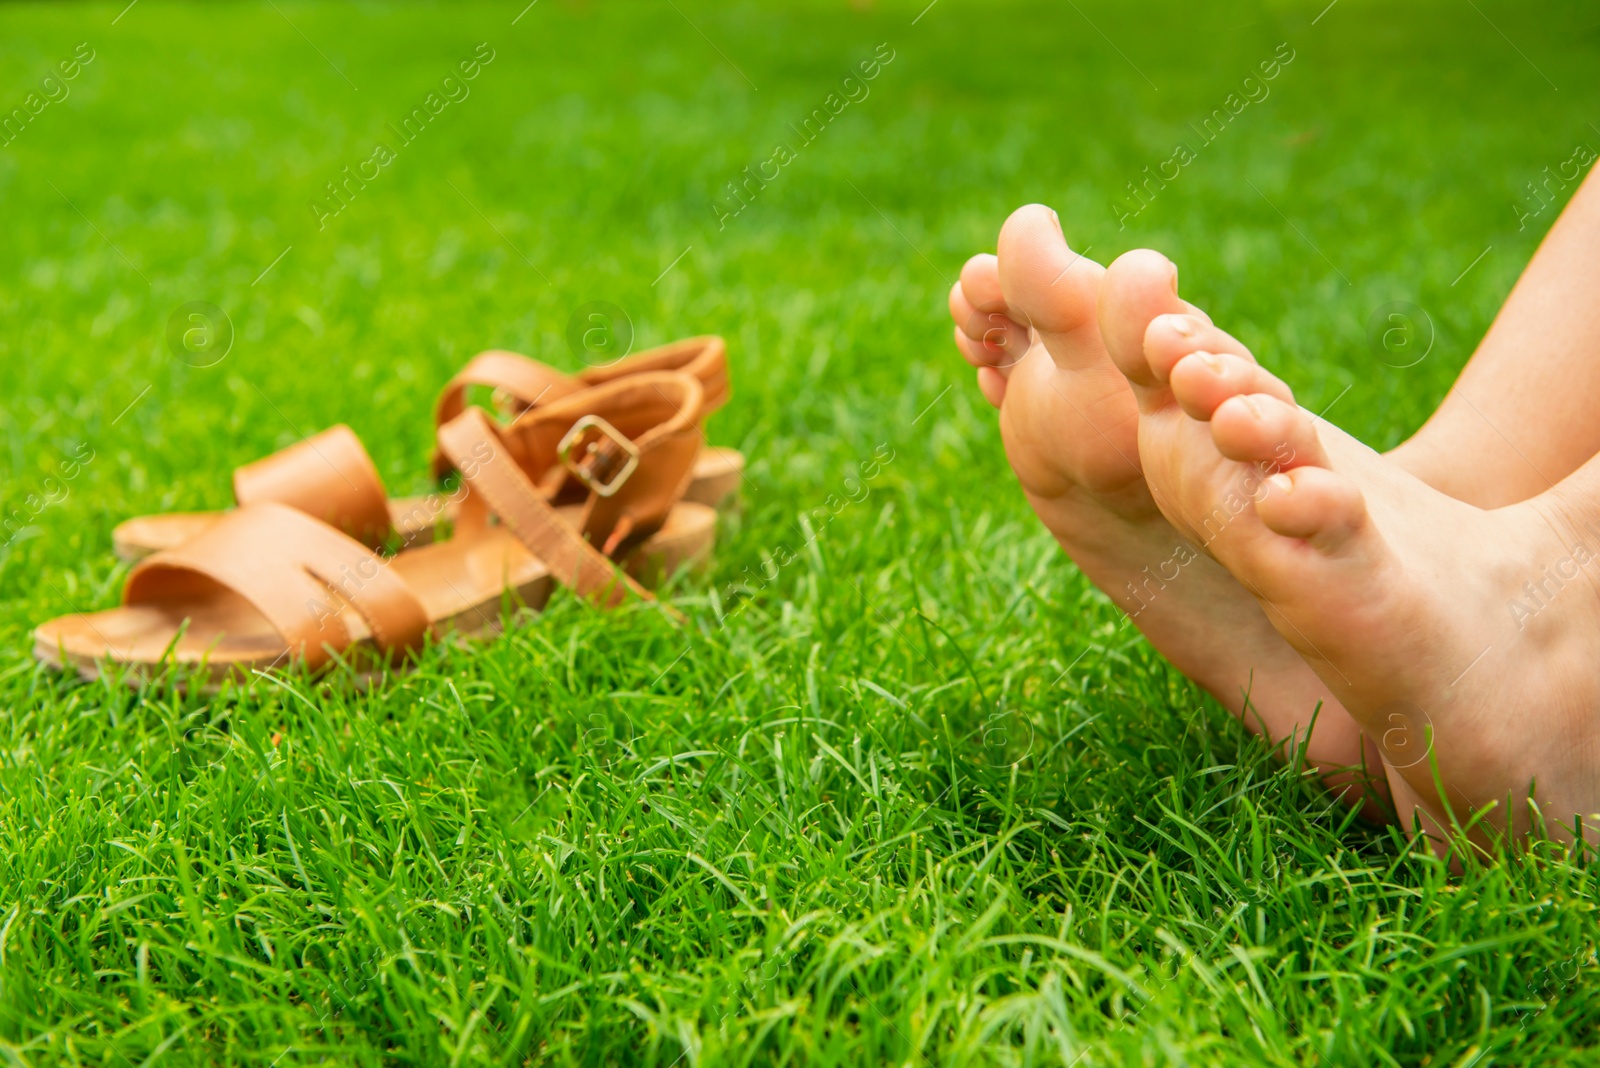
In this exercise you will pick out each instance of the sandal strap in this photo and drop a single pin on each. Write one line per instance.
(328, 476)
(705, 357)
(525, 381)
(496, 482)
(625, 449)
(297, 572)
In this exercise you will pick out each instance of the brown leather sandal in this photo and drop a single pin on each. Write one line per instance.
(520, 383)
(268, 585)
(330, 476)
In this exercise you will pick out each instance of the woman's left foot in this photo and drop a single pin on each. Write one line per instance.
(1464, 642)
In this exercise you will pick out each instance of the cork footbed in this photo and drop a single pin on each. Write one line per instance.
(462, 584)
(717, 472)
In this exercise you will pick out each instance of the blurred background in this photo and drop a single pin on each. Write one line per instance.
(595, 157)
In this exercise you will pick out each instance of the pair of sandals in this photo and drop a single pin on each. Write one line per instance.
(601, 481)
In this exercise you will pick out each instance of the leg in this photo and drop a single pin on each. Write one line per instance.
(1518, 419)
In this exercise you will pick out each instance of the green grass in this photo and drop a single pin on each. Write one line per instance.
(916, 795)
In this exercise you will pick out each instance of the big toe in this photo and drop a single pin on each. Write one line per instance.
(1051, 287)
(1139, 286)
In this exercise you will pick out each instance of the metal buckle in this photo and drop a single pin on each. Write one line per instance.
(609, 432)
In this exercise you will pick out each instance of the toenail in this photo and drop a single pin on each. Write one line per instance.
(1212, 361)
(1281, 483)
(1057, 220)
(1182, 325)
(1174, 278)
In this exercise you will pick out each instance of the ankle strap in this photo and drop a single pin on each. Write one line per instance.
(495, 483)
(628, 446)
(625, 450)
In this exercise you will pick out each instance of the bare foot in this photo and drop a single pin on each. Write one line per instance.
(1464, 641)
(1071, 430)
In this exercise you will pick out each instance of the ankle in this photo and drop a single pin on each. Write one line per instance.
(1416, 456)
(1460, 471)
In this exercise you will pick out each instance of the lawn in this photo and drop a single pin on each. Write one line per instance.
(904, 789)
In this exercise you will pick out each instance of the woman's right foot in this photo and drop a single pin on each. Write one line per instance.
(1465, 639)
(1069, 421)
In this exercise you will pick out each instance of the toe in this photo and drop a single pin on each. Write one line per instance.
(992, 384)
(972, 351)
(1203, 379)
(1172, 336)
(1322, 507)
(980, 281)
(1051, 287)
(987, 337)
(1256, 428)
(1139, 286)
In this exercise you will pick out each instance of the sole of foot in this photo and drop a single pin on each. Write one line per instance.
(1030, 321)
(1462, 641)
